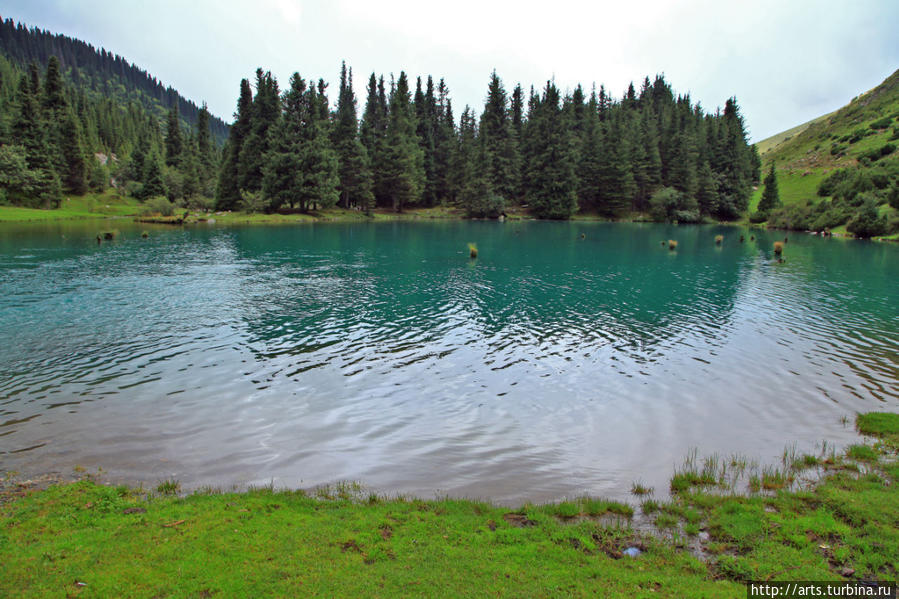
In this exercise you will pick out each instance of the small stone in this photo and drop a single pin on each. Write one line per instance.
(847, 572)
(703, 536)
(632, 552)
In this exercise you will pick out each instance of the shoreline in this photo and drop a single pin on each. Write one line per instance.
(29, 216)
(708, 540)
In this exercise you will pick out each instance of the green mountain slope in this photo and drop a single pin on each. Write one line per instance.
(838, 164)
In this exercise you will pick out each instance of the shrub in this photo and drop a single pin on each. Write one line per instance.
(158, 205)
(881, 123)
(758, 217)
(668, 204)
(201, 203)
(866, 222)
(893, 195)
(829, 184)
(875, 154)
(857, 135)
(252, 201)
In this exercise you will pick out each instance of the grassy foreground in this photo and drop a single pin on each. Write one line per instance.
(88, 540)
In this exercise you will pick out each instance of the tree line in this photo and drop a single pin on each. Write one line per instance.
(649, 151)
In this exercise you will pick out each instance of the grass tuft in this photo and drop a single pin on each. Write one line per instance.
(672, 244)
(719, 239)
(168, 487)
(472, 250)
(778, 247)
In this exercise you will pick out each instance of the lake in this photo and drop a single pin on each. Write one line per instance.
(568, 358)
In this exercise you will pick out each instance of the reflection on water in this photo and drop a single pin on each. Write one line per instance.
(552, 365)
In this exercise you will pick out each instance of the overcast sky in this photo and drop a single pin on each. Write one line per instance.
(786, 61)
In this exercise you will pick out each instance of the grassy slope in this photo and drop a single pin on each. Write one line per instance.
(804, 159)
(90, 540)
(769, 143)
(91, 205)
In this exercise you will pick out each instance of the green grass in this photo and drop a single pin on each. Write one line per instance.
(340, 541)
(881, 424)
(265, 543)
(91, 205)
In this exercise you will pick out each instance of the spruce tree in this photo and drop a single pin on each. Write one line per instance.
(227, 193)
(29, 131)
(264, 113)
(153, 182)
(552, 188)
(404, 159)
(282, 181)
(174, 143)
(770, 197)
(354, 169)
(74, 169)
(373, 134)
(500, 145)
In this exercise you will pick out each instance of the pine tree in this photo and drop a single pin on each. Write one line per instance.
(153, 183)
(770, 197)
(552, 188)
(500, 145)
(404, 159)
(29, 132)
(174, 143)
(227, 193)
(354, 170)
(74, 166)
(282, 181)
(373, 134)
(264, 113)
(444, 143)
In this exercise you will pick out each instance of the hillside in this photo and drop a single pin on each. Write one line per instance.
(773, 142)
(847, 159)
(100, 72)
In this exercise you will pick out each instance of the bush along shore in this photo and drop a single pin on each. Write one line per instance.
(828, 516)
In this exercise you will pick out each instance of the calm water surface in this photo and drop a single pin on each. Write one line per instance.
(553, 365)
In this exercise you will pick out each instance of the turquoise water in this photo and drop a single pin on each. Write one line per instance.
(568, 358)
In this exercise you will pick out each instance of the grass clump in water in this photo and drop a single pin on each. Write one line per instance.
(639, 489)
(719, 239)
(472, 250)
(168, 487)
(672, 244)
(778, 248)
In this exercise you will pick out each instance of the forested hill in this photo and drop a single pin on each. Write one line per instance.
(99, 71)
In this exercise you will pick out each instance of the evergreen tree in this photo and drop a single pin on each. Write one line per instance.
(770, 197)
(552, 189)
(74, 169)
(444, 142)
(373, 134)
(500, 145)
(153, 182)
(404, 159)
(319, 168)
(227, 193)
(29, 132)
(264, 113)
(174, 143)
(354, 171)
(282, 181)
(616, 181)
